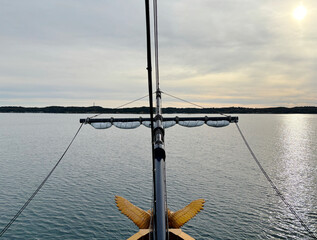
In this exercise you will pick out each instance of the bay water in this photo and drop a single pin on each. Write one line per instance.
(77, 202)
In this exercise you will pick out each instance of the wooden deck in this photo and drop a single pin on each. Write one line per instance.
(174, 234)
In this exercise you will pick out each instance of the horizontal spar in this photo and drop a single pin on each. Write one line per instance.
(176, 119)
(130, 123)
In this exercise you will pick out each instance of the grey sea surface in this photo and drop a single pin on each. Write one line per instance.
(77, 202)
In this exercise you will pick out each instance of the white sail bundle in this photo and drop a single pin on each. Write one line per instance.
(101, 125)
(147, 123)
(191, 123)
(166, 124)
(221, 123)
(122, 125)
(125, 123)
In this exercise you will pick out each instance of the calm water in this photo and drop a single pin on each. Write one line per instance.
(77, 202)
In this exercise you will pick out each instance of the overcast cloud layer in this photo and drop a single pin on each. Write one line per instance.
(213, 52)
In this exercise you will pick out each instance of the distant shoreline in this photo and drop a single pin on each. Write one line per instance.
(145, 110)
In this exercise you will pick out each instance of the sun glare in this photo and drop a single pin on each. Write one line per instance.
(299, 13)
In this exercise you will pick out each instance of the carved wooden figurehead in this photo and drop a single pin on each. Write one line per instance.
(176, 220)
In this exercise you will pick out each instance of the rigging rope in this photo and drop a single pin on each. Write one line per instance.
(194, 104)
(39, 187)
(278, 192)
(138, 99)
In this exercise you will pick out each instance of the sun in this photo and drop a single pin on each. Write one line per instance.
(299, 13)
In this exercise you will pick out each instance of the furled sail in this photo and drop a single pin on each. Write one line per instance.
(221, 123)
(197, 123)
(166, 124)
(127, 125)
(101, 125)
(130, 123)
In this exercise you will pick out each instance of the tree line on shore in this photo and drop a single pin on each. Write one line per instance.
(145, 110)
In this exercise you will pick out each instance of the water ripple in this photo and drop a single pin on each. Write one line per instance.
(78, 200)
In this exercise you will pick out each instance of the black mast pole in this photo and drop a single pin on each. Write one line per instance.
(149, 70)
(160, 222)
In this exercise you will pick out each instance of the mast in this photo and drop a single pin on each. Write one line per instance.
(160, 222)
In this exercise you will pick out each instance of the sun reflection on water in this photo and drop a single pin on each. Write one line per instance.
(297, 161)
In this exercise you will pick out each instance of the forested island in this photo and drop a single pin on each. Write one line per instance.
(145, 110)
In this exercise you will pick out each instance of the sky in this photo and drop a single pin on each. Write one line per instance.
(216, 53)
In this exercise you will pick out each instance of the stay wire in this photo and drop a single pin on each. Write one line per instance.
(194, 104)
(39, 187)
(278, 192)
(123, 105)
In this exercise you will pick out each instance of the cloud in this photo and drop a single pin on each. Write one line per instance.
(213, 52)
